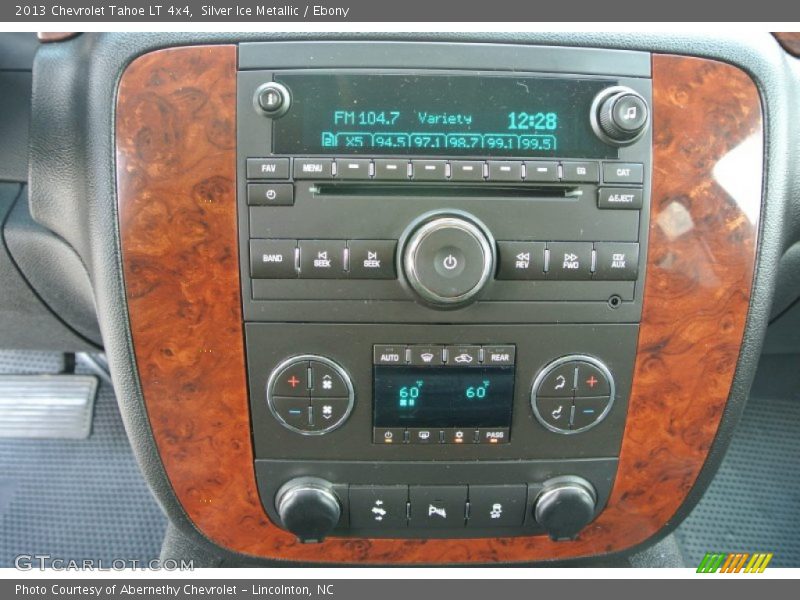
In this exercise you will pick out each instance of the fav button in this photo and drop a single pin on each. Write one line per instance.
(267, 168)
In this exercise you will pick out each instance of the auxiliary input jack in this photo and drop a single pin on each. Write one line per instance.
(614, 302)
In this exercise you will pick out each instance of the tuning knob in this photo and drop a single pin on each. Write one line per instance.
(309, 508)
(447, 258)
(565, 506)
(619, 115)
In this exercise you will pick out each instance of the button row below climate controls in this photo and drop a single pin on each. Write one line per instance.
(390, 507)
(603, 261)
(452, 435)
(322, 259)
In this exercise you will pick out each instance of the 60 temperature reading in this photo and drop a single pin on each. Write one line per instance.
(477, 391)
(408, 395)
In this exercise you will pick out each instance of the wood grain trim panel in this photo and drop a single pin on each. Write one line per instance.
(176, 132)
(790, 40)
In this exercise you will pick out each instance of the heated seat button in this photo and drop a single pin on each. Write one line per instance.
(559, 382)
(272, 259)
(437, 507)
(292, 381)
(321, 259)
(570, 260)
(555, 412)
(326, 381)
(617, 261)
(592, 381)
(497, 505)
(378, 506)
(589, 411)
(372, 259)
(521, 260)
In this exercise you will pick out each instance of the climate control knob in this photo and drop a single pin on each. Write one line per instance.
(565, 506)
(447, 258)
(619, 115)
(309, 508)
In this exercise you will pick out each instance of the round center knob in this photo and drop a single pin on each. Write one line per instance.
(448, 258)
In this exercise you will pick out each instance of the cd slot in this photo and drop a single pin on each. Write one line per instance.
(462, 190)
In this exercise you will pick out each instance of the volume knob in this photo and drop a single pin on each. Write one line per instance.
(619, 115)
(565, 506)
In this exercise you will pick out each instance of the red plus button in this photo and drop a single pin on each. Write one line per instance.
(292, 381)
(592, 381)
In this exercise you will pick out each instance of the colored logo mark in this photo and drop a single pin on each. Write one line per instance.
(718, 562)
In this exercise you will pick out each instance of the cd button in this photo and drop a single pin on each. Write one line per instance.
(353, 168)
(580, 172)
(463, 356)
(267, 168)
(292, 381)
(429, 170)
(570, 260)
(556, 412)
(466, 170)
(390, 169)
(591, 381)
(588, 411)
(559, 382)
(521, 260)
(313, 168)
(505, 170)
(617, 261)
(540, 171)
(321, 259)
(427, 355)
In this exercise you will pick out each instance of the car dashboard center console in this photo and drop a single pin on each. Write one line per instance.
(433, 303)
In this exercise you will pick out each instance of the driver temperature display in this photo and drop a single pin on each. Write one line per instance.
(443, 397)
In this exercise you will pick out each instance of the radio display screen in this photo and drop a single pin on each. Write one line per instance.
(453, 115)
(410, 396)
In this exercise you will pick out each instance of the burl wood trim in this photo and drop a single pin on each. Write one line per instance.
(790, 40)
(176, 138)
